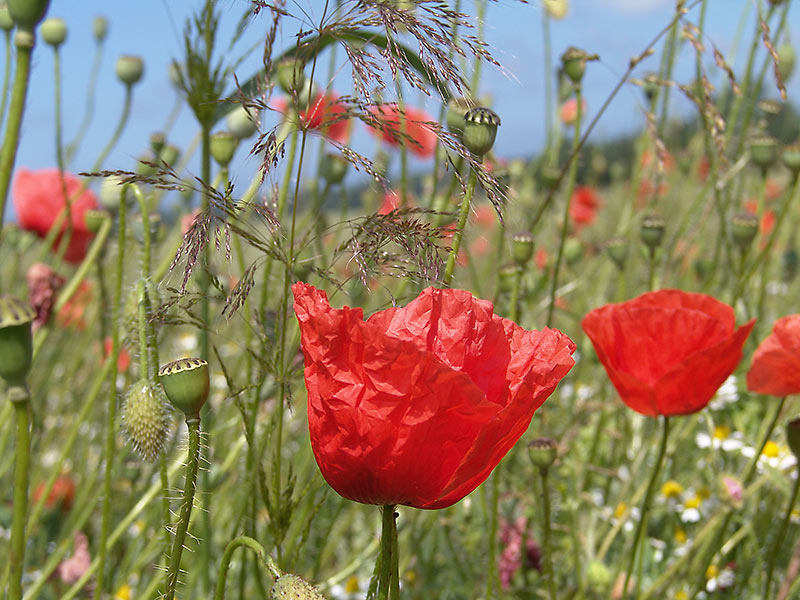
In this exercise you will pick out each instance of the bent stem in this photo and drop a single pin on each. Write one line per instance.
(548, 556)
(193, 423)
(20, 398)
(242, 541)
(389, 582)
(640, 526)
(781, 535)
(463, 213)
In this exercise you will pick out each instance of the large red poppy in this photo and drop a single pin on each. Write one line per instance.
(326, 114)
(38, 200)
(417, 405)
(776, 362)
(667, 352)
(390, 123)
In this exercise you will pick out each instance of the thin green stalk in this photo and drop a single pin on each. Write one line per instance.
(287, 176)
(6, 76)
(776, 548)
(193, 424)
(480, 17)
(573, 171)
(388, 578)
(548, 77)
(546, 534)
(463, 214)
(491, 551)
(20, 397)
(91, 90)
(23, 40)
(67, 234)
(242, 541)
(640, 526)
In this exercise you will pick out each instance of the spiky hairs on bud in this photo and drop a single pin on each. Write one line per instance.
(146, 419)
(292, 587)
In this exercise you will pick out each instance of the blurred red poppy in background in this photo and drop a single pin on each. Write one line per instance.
(776, 362)
(325, 113)
(418, 136)
(667, 352)
(417, 405)
(61, 495)
(584, 205)
(72, 313)
(38, 200)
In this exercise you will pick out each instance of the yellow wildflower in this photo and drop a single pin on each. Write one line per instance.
(771, 450)
(671, 489)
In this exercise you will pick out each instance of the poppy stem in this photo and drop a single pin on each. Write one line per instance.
(780, 537)
(388, 584)
(641, 525)
(548, 555)
(242, 541)
(463, 213)
(20, 398)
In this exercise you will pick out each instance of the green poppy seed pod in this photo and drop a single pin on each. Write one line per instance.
(791, 158)
(617, 250)
(744, 228)
(223, 146)
(94, 219)
(157, 141)
(146, 419)
(111, 193)
(290, 74)
(573, 250)
(480, 130)
(787, 59)
(651, 231)
(543, 452)
(454, 117)
(170, 154)
(53, 31)
(129, 69)
(242, 122)
(573, 61)
(100, 28)
(550, 176)
(28, 13)
(334, 168)
(16, 341)
(793, 436)
(522, 248)
(186, 384)
(292, 587)
(6, 22)
(650, 86)
(506, 277)
(763, 152)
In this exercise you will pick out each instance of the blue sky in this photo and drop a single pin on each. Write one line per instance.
(614, 29)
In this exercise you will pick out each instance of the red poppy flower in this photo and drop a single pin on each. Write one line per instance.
(61, 495)
(326, 113)
(123, 359)
(776, 362)
(38, 200)
(391, 201)
(420, 136)
(584, 205)
(417, 405)
(667, 352)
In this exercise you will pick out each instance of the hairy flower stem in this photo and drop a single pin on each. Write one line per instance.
(242, 541)
(20, 397)
(776, 548)
(193, 424)
(463, 214)
(6, 77)
(546, 535)
(23, 40)
(283, 194)
(91, 89)
(389, 581)
(573, 171)
(641, 525)
(491, 551)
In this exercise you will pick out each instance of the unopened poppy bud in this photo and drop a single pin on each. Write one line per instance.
(550, 177)
(744, 228)
(617, 250)
(650, 86)
(791, 158)
(454, 117)
(146, 419)
(100, 28)
(573, 61)
(763, 152)
(223, 146)
(16, 342)
(53, 31)
(786, 62)
(543, 452)
(290, 74)
(793, 436)
(292, 587)
(94, 219)
(28, 13)
(111, 193)
(129, 69)
(157, 141)
(241, 122)
(507, 275)
(480, 130)
(573, 250)
(652, 231)
(6, 22)
(598, 577)
(522, 248)
(557, 9)
(334, 168)
(186, 384)
(170, 154)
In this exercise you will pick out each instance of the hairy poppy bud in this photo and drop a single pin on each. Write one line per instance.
(146, 419)
(617, 250)
(652, 231)
(573, 61)
(744, 228)
(111, 193)
(763, 152)
(16, 344)
(53, 31)
(290, 74)
(223, 146)
(454, 117)
(480, 130)
(6, 22)
(170, 154)
(786, 62)
(292, 587)
(157, 141)
(129, 69)
(334, 168)
(543, 452)
(186, 384)
(241, 122)
(522, 248)
(791, 158)
(27, 13)
(100, 28)
(793, 436)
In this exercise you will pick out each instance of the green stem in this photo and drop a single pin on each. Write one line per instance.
(546, 533)
(573, 170)
(74, 145)
(388, 583)
(287, 176)
(193, 424)
(23, 40)
(640, 526)
(463, 214)
(242, 541)
(20, 397)
(776, 548)
(67, 234)
(480, 17)
(6, 76)
(494, 500)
